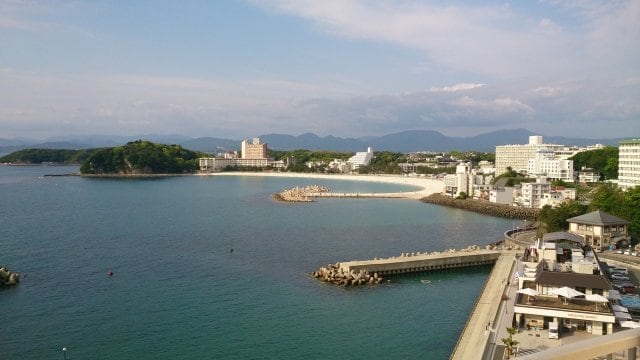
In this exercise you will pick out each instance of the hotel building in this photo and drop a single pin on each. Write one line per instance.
(253, 154)
(517, 156)
(561, 282)
(629, 164)
(253, 150)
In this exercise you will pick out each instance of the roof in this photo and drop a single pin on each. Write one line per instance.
(630, 142)
(571, 279)
(562, 235)
(597, 218)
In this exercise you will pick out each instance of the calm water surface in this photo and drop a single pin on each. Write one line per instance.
(178, 291)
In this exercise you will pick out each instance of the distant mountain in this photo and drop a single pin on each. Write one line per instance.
(405, 141)
(211, 145)
(311, 141)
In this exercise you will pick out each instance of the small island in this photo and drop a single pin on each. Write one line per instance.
(141, 158)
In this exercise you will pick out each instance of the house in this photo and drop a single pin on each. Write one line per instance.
(600, 230)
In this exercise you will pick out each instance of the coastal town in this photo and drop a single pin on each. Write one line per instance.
(568, 294)
(564, 281)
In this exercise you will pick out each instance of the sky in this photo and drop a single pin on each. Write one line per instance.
(348, 68)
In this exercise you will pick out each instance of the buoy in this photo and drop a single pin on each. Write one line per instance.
(231, 250)
(109, 273)
(425, 281)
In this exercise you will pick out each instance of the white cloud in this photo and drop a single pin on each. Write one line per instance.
(456, 87)
(492, 40)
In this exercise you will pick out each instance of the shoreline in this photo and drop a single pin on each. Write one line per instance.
(426, 186)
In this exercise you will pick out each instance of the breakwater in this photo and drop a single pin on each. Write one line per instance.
(370, 272)
(7, 277)
(484, 207)
(334, 274)
(301, 194)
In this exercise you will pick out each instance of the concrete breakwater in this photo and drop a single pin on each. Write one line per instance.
(7, 277)
(370, 272)
(334, 274)
(484, 207)
(301, 194)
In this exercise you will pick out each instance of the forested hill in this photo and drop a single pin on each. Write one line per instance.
(142, 157)
(40, 156)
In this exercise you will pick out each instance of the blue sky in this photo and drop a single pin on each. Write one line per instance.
(239, 69)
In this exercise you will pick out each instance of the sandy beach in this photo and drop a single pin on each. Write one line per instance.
(427, 186)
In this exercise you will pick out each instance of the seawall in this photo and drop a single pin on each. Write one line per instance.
(484, 207)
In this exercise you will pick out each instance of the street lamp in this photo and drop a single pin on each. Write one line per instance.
(64, 351)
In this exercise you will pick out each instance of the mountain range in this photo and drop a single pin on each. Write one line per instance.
(405, 141)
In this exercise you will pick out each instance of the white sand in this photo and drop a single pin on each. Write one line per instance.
(427, 185)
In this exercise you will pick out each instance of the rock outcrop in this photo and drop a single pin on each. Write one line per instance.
(7, 277)
(298, 194)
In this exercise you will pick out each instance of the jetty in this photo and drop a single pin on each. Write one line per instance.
(480, 334)
(418, 262)
(371, 272)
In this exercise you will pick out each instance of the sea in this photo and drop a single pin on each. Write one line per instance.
(211, 267)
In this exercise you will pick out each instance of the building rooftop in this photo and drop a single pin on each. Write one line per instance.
(571, 279)
(562, 235)
(630, 142)
(598, 218)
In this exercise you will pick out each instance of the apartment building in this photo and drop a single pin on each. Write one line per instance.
(517, 157)
(629, 163)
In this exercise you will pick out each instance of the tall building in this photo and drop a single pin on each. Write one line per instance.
(253, 150)
(361, 159)
(629, 164)
(517, 156)
(548, 165)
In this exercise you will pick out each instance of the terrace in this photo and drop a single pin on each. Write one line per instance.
(558, 303)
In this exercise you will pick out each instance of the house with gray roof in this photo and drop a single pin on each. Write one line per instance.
(600, 230)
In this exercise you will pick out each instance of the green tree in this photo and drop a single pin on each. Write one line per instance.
(604, 161)
(509, 342)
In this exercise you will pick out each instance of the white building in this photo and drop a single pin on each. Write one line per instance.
(547, 164)
(339, 165)
(532, 193)
(361, 159)
(517, 156)
(629, 164)
(209, 165)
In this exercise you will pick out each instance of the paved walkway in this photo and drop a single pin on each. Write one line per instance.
(481, 328)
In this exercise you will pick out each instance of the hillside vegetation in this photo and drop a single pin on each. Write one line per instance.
(604, 161)
(142, 157)
(39, 156)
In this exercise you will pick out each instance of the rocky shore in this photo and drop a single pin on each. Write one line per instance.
(298, 194)
(332, 273)
(484, 207)
(7, 277)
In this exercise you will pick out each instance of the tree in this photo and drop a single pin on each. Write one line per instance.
(604, 161)
(509, 342)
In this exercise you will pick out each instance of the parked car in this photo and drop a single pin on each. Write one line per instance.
(619, 277)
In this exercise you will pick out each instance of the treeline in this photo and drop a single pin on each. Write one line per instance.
(607, 198)
(39, 156)
(142, 157)
(603, 161)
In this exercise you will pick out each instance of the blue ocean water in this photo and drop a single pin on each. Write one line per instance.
(179, 292)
